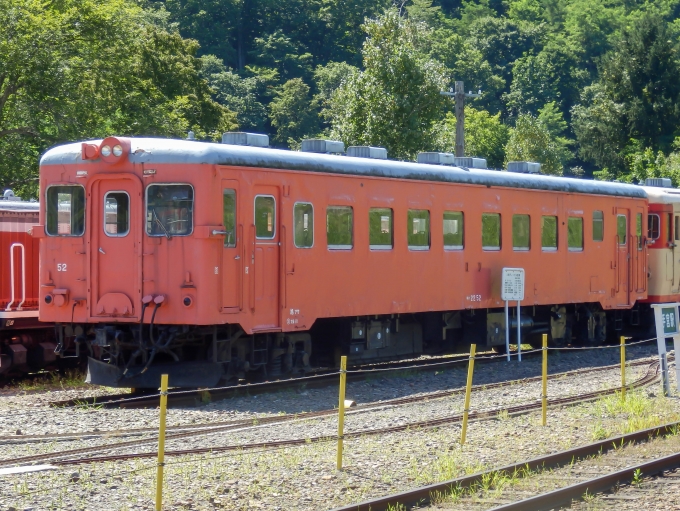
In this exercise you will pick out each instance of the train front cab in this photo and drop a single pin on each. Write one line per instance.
(664, 244)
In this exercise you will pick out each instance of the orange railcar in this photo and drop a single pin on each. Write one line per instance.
(209, 260)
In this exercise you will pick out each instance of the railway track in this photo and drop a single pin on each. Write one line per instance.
(613, 462)
(67, 436)
(70, 457)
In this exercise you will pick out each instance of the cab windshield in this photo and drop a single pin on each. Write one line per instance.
(169, 210)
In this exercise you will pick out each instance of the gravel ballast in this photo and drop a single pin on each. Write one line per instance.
(304, 477)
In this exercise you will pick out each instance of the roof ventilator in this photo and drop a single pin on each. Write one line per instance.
(524, 167)
(470, 162)
(436, 158)
(317, 145)
(659, 182)
(243, 138)
(362, 151)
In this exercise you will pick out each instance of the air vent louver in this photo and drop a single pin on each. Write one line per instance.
(470, 162)
(524, 167)
(360, 151)
(316, 145)
(436, 158)
(659, 182)
(243, 138)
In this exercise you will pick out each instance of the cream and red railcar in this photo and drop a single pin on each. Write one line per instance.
(210, 260)
(25, 343)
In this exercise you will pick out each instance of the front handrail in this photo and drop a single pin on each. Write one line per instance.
(23, 275)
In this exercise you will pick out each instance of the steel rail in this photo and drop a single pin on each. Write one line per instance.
(423, 494)
(564, 496)
(56, 457)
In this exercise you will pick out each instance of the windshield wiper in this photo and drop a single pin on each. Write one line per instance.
(167, 234)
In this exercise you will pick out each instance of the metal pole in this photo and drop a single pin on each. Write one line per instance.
(341, 408)
(519, 336)
(468, 389)
(623, 368)
(544, 397)
(507, 331)
(161, 443)
(460, 120)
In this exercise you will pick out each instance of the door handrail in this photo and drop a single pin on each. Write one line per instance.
(23, 274)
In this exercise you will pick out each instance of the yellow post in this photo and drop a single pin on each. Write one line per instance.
(341, 408)
(544, 397)
(623, 368)
(468, 390)
(161, 443)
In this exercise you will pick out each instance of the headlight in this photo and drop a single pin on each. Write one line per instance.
(117, 150)
(105, 151)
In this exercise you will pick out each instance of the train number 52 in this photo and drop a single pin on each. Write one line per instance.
(61, 267)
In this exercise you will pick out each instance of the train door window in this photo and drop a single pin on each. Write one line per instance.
(669, 227)
(491, 231)
(521, 232)
(380, 235)
(598, 226)
(621, 229)
(65, 210)
(575, 233)
(638, 230)
(653, 227)
(265, 217)
(418, 229)
(229, 216)
(169, 210)
(549, 233)
(677, 228)
(116, 214)
(303, 214)
(339, 227)
(454, 230)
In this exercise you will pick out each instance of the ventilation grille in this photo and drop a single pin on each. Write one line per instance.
(470, 162)
(659, 182)
(315, 145)
(436, 158)
(243, 138)
(524, 167)
(361, 151)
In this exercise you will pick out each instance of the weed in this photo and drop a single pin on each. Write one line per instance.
(637, 477)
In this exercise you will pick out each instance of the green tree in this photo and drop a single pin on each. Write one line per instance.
(394, 102)
(530, 140)
(291, 113)
(636, 102)
(72, 70)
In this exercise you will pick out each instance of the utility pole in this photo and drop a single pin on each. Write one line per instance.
(459, 96)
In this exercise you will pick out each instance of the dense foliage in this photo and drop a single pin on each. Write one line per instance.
(574, 84)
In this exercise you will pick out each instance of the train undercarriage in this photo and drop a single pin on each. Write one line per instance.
(206, 356)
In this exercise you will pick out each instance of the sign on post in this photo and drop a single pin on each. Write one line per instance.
(666, 320)
(512, 288)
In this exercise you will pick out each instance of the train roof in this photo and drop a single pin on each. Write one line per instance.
(659, 195)
(20, 206)
(171, 151)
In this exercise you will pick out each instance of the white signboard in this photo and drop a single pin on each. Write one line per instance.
(512, 284)
(667, 322)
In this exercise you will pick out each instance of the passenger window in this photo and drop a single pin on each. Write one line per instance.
(549, 233)
(453, 229)
(303, 214)
(65, 211)
(575, 233)
(598, 226)
(491, 231)
(265, 217)
(116, 214)
(339, 227)
(169, 210)
(418, 229)
(653, 227)
(621, 229)
(380, 228)
(229, 216)
(638, 229)
(521, 232)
